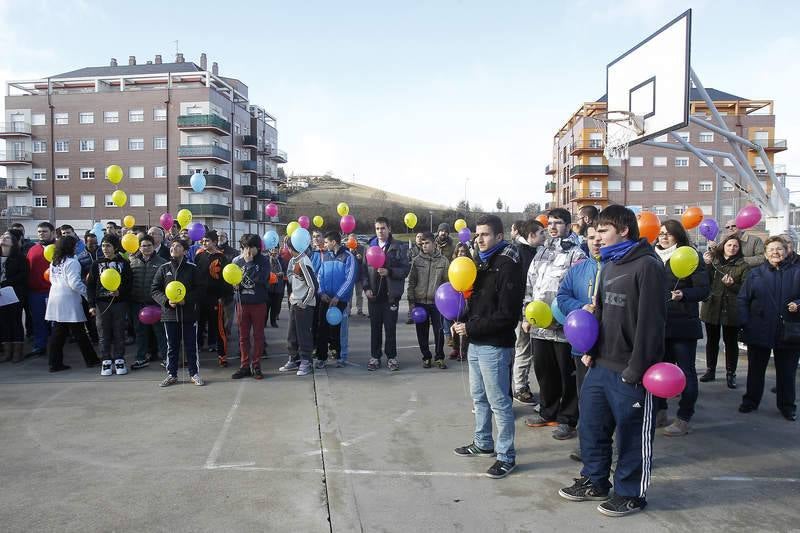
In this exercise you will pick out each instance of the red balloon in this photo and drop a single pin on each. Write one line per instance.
(150, 315)
(664, 380)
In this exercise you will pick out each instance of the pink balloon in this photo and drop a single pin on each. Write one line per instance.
(150, 315)
(347, 223)
(748, 217)
(375, 256)
(272, 210)
(304, 222)
(664, 380)
(166, 221)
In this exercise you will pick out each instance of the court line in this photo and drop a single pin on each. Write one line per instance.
(223, 433)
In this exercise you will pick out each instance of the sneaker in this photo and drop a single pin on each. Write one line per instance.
(730, 380)
(197, 380)
(290, 365)
(677, 429)
(140, 364)
(257, 373)
(565, 432)
(243, 372)
(360, 313)
(120, 367)
(788, 414)
(59, 368)
(747, 408)
(708, 376)
(163, 364)
(169, 380)
(374, 364)
(107, 367)
(440, 364)
(426, 363)
(500, 469)
(340, 363)
(525, 396)
(304, 368)
(319, 364)
(576, 455)
(392, 364)
(472, 450)
(537, 421)
(622, 505)
(583, 490)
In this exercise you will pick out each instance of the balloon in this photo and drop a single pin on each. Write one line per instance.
(542, 219)
(273, 278)
(347, 223)
(304, 221)
(129, 221)
(49, 251)
(748, 217)
(334, 316)
(318, 221)
(581, 329)
(539, 314)
(175, 291)
(692, 217)
(166, 221)
(150, 314)
(449, 301)
(343, 209)
(465, 235)
(664, 380)
(46, 274)
(271, 210)
(114, 173)
(649, 226)
(271, 240)
(419, 315)
(352, 243)
(557, 314)
(119, 198)
(130, 243)
(709, 228)
(301, 239)
(198, 182)
(376, 257)
(97, 229)
(184, 217)
(196, 231)
(410, 220)
(462, 273)
(684, 261)
(291, 227)
(110, 279)
(232, 274)
(460, 224)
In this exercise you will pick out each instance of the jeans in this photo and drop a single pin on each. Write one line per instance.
(383, 318)
(555, 372)
(489, 386)
(523, 359)
(730, 337)
(434, 320)
(251, 317)
(682, 352)
(182, 334)
(41, 327)
(142, 334)
(111, 324)
(785, 377)
(300, 342)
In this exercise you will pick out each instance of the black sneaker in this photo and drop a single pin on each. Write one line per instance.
(257, 373)
(426, 363)
(500, 469)
(243, 372)
(140, 364)
(526, 397)
(441, 364)
(583, 490)
(564, 432)
(622, 505)
(471, 450)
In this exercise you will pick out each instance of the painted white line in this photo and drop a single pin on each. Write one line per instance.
(223, 433)
(757, 479)
(314, 452)
(402, 418)
(413, 397)
(358, 439)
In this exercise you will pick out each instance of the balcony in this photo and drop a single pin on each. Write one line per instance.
(207, 210)
(550, 169)
(249, 166)
(585, 146)
(15, 157)
(588, 170)
(204, 122)
(265, 173)
(8, 185)
(250, 141)
(264, 149)
(550, 187)
(279, 198)
(549, 205)
(249, 190)
(14, 129)
(210, 151)
(213, 181)
(264, 194)
(278, 156)
(17, 211)
(589, 194)
(770, 145)
(250, 214)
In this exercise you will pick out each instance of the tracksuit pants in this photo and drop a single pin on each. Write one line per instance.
(383, 318)
(300, 341)
(182, 334)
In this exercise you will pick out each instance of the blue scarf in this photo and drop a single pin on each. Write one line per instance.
(485, 256)
(615, 251)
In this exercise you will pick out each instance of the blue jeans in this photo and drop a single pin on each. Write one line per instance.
(41, 327)
(489, 383)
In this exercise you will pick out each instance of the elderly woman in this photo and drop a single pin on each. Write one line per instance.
(767, 301)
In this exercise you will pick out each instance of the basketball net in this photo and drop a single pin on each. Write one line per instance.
(626, 127)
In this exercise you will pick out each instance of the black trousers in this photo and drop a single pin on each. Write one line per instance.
(383, 319)
(274, 301)
(328, 335)
(785, 376)
(58, 336)
(555, 371)
(207, 322)
(435, 320)
(730, 338)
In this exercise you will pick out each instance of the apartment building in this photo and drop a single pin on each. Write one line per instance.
(656, 179)
(161, 122)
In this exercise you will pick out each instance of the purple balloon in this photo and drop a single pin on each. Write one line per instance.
(150, 314)
(419, 315)
(465, 235)
(196, 231)
(449, 301)
(581, 330)
(709, 228)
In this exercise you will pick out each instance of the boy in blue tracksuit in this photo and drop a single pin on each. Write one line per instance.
(631, 308)
(337, 275)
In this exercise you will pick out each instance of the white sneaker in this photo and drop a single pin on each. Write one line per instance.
(305, 368)
(120, 367)
(107, 368)
(197, 380)
(289, 366)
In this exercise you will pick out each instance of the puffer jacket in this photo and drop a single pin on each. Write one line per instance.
(143, 274)
(427, 273)
(721, 307)
(762, 300)
(397, 265)
(548, 268)
(338, 274)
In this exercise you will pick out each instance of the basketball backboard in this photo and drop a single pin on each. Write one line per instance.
(651, 80)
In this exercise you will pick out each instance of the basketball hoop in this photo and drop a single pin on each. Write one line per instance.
(619, 128)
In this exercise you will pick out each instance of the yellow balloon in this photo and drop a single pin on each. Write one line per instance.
(410, 220)
(232, 274)
(184, 217)
(462, 273)
(684, 261)
(119, 198)
(175, 291)
(129, 221)
(343, 209)
(460, 224)
(130, 243)
(110, 279)
(49, 251)
(114, 173)
(318, 221)
(539, 314)
(291, 227)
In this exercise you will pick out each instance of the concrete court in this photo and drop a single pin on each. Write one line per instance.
(371, 451)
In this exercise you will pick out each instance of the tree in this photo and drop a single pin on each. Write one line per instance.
(499, 204)
(462, 205)
(531, 210)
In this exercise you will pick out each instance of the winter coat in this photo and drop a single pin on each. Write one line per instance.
(763, 299)
(300, 273)
(66, 291)
(445, 246)
(96, 291)
(683, 316)
(397, 265)
(86, 258)
(255, 276)
(210, 265)
(143, 274)
(338, 275)
(277, 267)
(752, 249)
(37, 264)
(720, 307)
(427, 273)
(186, 273)
(15, 274)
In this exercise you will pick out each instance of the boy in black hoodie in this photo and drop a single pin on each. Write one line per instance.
(631, 308)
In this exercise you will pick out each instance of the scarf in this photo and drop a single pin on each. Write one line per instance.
(615, 251)
(485, 256)
(666, 253)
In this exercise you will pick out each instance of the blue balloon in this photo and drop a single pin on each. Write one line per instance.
(271, 240)
(557, 314)
(198, 182)
(334, 315)
(301, 239)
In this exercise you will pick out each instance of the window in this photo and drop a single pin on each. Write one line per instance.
(62, 200)
(39, 174)
(87, 145)
(135, 144)
(592, 160)
(706, 186)
(678, 209)
(135, 173)
(681, 161)
(237, 128)
(86, 118)
(159, 114)
(160, 172)
(39, 147)
(160, 200)
(137, 200)
(109, 201)
(707, 210)
(727, 162)
(236, 154)
(758, 163)
(110, 116)
(61, 119)
(87, 173)
(703, 163)
(636, 161)
(62, 174)
(40, 201)
(136, 115)
(681, 185)
(727, 187)
(111, 145)
(87, 200)
(684, 135)
(706, 137)
(659, 161)
(614, 162)
(614, 185)
(635, 185)
(727, 210)
(662, 138)
(38, 119)
(659, 186)
(62, 145)
(660, 209)
(159, 143)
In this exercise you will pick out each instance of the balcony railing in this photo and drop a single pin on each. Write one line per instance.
(249, 190)
(17, 211)
(589, 194)
(550, 187)
(11, 157)
(214, 181)
(280, 197)
(250, 141)
(580, 170)
(771, 145)
(264, 194)
(204, 152)
(279, 155)
(15, 184)
(250, 214)
(550, 169)
(586, 145)
(207, 210)
(204, 122)
(15, 129)
(249, 166)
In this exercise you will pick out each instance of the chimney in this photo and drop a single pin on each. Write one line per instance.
(149, 62)
(158, 59)
(215, 68)
(113, 62)
(179, 58)
(131, 60)
(203, 61)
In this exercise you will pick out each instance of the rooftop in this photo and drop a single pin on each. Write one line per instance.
(129, 70)
(715, 94)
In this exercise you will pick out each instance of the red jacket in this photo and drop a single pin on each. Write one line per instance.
(37, 264)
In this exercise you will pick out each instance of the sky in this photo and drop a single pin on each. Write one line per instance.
(432, 99)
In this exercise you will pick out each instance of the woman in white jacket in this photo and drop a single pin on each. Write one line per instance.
(64, 306)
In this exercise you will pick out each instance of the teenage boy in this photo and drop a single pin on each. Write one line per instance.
(144, 265)
(631, 308)
(428, 272)
(252, 311)
(413, 251)
(336, 279)
(211, 305)
(39, 288)
(302, 310)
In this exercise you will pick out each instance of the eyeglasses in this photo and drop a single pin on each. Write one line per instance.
(662, 234)
(732, 226)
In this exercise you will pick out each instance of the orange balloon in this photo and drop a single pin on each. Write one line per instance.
(46, 274)
(352, 243)
(649, 226)
(542, 219)
(467, 293)
(273, 278)
(692, 217)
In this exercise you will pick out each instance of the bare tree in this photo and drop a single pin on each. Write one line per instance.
(499, 204)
